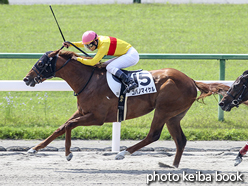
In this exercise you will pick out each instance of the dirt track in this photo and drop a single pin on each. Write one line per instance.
(94, 164)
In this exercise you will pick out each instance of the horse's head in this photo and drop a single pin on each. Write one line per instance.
(43, 69)
(237, 94)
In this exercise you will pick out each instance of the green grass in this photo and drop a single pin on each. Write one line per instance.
(150, 28)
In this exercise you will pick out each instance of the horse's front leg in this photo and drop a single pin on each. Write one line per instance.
(60, 131)
(83, 120)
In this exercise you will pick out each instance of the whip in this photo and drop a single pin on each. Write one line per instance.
(63, 35)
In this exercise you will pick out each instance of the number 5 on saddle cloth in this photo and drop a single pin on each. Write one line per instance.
(143, 79)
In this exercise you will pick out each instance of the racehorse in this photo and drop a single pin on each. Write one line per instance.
(176, 92)
(237, 94)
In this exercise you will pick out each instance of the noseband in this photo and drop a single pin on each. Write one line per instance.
(237, 101)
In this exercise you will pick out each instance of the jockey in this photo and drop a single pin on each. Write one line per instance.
(242, 152)
(126, 55)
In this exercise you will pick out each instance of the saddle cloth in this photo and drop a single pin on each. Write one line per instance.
(142, 77)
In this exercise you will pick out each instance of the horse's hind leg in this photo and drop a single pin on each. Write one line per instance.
(175, 130)
(153, 135)
(178, 136)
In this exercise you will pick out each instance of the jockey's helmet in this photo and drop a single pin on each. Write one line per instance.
(88, 37)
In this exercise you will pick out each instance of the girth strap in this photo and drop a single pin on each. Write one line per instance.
(121, 113)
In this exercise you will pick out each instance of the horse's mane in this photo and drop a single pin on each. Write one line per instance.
(63, 53)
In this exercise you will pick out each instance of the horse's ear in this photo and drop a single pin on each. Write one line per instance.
(54, 53)
(245, 73)
(245, 76)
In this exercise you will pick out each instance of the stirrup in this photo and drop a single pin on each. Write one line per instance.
(130, 87)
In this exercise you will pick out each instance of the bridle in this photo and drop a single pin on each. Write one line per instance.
(241, 93)
(45, 68)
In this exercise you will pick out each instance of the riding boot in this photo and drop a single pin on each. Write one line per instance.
(128, 81)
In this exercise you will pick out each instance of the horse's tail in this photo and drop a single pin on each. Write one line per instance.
(207, 89)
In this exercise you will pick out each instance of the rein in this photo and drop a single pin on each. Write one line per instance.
(78, 49)
(40, 70)
(76, 94)
(62, 65)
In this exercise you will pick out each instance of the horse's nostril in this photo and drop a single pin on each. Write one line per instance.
(221, 104)
(25, 79)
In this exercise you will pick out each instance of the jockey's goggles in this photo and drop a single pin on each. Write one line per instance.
(89, 45)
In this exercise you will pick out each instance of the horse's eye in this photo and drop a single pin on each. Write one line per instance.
(40, 64)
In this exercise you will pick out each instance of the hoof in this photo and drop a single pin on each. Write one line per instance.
(69, 157)
(175, 166)
(121, 155)
(165, 165)
(32, 151)
(238, 160)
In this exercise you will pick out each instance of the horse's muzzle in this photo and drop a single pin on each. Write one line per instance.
(225, 107)
(29, 82)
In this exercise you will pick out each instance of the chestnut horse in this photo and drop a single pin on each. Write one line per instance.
(237, 94)
(175, 94)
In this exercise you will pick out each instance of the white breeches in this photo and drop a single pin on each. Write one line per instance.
(129, 59)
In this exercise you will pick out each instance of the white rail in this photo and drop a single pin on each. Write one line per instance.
(18, 85)
(57, 85)
(60, 85)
